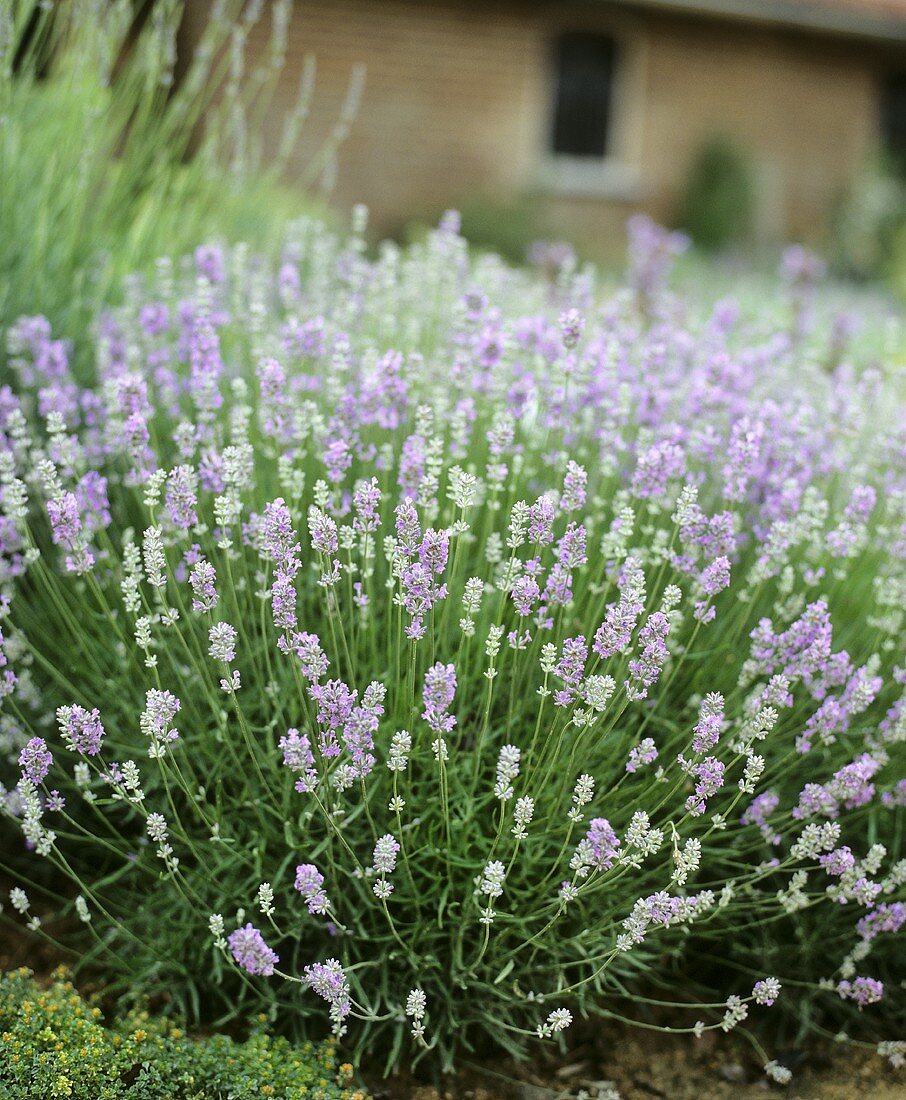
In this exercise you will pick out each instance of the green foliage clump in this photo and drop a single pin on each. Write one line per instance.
(717, 209)
(507, 228)
(55, 1044)
(868, 234)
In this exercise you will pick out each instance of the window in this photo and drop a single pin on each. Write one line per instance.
(585, 65)
(893, 120)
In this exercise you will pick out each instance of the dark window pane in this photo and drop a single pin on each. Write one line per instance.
(585, 68)
(893, 119)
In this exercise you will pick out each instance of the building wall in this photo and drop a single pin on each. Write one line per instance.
(458, 93)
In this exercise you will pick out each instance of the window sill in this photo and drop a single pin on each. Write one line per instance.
(591, 178)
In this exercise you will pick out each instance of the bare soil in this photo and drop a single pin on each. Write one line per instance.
(641, 1065)
(653, 1066)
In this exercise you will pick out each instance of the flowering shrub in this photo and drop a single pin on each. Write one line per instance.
(56, 1045)
(421, 644)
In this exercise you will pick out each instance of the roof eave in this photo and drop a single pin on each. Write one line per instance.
(855, 24)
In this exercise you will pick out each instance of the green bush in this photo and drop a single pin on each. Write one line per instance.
(490, 225)
(869, 227)
(55, 1044)
(718, 205)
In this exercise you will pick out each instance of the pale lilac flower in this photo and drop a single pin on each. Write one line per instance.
(310, 884)
(524, 594)
(864, 991)
(202, 579)
(81, 729)
(182, 497)
(35, 761)
(439, 689)
(248, 948)
(766, 991)
(328, 980)
(222, 638)
(645, 752)
(299, 758)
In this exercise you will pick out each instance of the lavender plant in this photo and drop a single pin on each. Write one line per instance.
(448, 652)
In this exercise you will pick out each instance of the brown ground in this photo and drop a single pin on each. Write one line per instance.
(649, 1066)
(642, 1065)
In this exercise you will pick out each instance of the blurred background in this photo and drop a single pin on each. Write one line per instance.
(747, 123)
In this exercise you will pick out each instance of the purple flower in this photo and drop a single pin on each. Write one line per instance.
(434, 549)
(657, 466)
(759, 810)
(209, 260)
(848, 788)
(439, 689)
(524, 594)
(715, 577)
(298, 757)
(182, 497)
(323, 531)
(766, 991)
(81, 729)
(574, 487)
(408, 528)
(367, 502)
(248, 948)
(412, 465)
(35, 761)
(154, 318)
(93, 504)
(709, 778)
(743, 452)
(66, 530)
(645, 669)
(864, 991)
(652, 250)
(883, 918)
(310, 882)
(615, 633)
(312, 659)
(541, 522)
(328, 980)
(645, 752)
(206, 368)
(361, 726)
(710, 722)
(572, 325)
(597, 850)
(571, 670)
(202, 579)
(337, 459)
(838, 862)
(335, 704)
(278, 540)
(273, 412)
